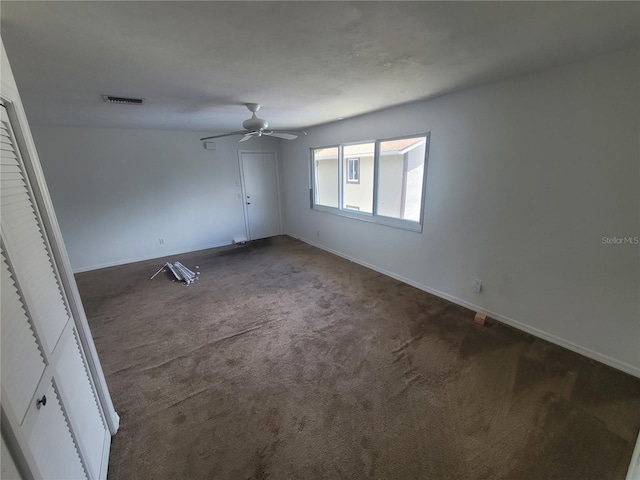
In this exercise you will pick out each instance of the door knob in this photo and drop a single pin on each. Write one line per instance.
(41, 402)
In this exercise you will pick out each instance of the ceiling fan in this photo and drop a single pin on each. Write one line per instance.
(257, 127)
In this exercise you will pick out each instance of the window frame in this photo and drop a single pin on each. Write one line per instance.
(373, 217)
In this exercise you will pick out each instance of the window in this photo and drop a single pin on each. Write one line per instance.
(401, 168)
(380, 181)
(353, 170)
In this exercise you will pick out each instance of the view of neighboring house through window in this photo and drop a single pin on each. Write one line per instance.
(401, 170)
(358, 193)
(381, 181)
(326, 170)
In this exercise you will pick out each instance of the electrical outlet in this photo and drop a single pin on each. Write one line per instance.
(161, 241)
(477, 285)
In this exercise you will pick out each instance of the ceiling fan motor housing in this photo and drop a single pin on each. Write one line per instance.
(255, 124)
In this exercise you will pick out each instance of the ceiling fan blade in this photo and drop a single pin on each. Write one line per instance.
(286, 134)
(248, 136)
(292, 132)
(240, 132)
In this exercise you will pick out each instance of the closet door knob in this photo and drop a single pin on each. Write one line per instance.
(41, 402)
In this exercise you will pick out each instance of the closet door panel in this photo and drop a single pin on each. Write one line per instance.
(79, 398)
(21, 358)
(29, 253)
(51, 442)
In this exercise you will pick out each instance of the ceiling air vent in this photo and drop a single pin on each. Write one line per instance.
(123, 100)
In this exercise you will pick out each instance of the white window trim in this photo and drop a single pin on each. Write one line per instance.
(364, 216)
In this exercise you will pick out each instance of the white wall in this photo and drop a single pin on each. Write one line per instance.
(525, 177)
(116, 192)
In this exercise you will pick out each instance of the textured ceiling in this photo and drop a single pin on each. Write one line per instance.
(307, 63)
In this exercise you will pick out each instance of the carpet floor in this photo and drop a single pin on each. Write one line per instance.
(286, 362)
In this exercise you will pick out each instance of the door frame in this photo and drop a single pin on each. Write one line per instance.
(247, 227)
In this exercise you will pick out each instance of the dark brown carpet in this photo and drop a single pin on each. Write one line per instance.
(286, 362)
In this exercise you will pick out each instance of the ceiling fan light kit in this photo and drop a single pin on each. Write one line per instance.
(256, 127)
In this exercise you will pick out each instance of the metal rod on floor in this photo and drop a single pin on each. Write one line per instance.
(185, 270)
(187, 275)
(161, 269)
(174, 271)
(179, 271)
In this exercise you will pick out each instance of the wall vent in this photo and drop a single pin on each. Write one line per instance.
(123, 100)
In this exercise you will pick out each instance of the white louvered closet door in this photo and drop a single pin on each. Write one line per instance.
(46, 388)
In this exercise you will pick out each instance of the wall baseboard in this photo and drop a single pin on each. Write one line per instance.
(587, 352)
(142, 259)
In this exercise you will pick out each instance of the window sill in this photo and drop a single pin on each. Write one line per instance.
(368, 217)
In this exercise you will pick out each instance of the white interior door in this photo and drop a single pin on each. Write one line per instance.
(259, 173)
